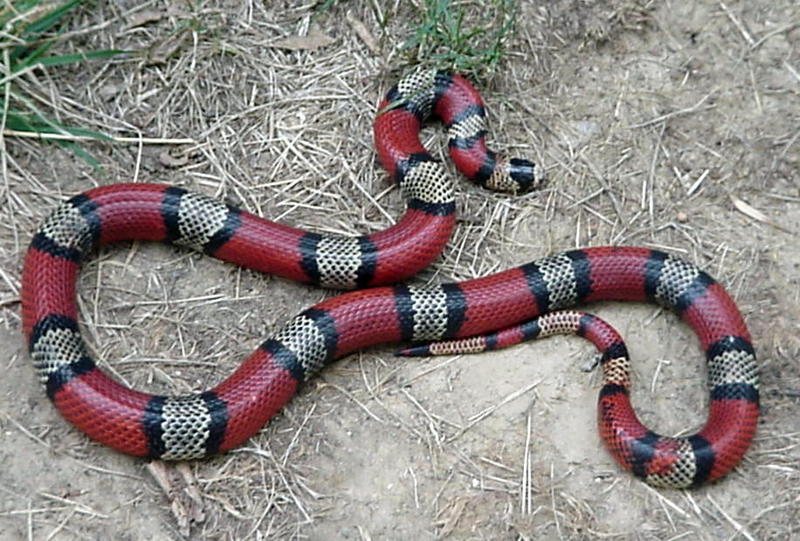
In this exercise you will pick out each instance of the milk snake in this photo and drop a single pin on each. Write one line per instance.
(494, 310)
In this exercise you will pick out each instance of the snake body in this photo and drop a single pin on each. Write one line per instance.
(197, 425)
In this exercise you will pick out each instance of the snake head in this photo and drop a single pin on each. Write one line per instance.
(525, 174)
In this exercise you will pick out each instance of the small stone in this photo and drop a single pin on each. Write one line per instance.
(110, 91)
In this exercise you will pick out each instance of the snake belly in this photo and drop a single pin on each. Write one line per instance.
(201, 424)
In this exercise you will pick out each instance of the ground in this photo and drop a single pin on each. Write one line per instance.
(671, 125)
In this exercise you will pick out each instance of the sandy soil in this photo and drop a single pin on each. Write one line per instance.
(654, 120)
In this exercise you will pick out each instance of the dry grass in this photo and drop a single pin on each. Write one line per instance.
(649, 120)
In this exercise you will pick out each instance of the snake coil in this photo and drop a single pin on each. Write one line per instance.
(201, 424)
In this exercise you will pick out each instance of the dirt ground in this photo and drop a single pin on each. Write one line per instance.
(673, 125)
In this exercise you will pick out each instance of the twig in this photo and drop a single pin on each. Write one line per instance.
(738, 24)
(694, 108)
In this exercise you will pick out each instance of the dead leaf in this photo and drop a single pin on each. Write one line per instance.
(180, 487)
(192, 491)
(364, 35)
(161, 51)
(110, 91)
(311, 42)
(146, 16)
(448, 518)
(159, 472)
(744, 208)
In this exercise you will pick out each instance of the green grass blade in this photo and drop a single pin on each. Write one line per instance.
(46, 22)
(451, 35)
(14, 12)
(26, 121)
(33, 31)
(34, 120)
(29, 55)
(80, 152)
(72, 58)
